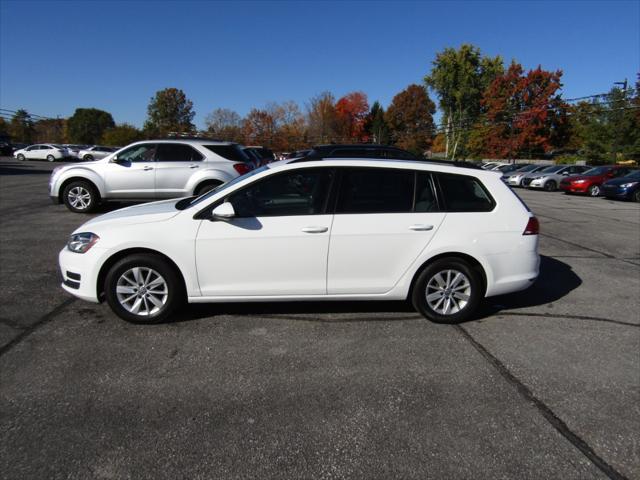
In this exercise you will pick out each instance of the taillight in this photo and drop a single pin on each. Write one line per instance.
(533, 227)
(242, 168)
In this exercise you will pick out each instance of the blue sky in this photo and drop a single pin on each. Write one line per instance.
(56, 56)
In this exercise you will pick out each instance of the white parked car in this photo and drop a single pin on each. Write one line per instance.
(44, 151)
(148, 170)
(95, 153)
(339, 229)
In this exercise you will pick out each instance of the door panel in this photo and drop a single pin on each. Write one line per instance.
(175, 165)
(368, 253)
(264, 255)
(135, 176)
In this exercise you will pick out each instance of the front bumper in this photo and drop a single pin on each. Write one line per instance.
(536, 183)
(574, 187)
(80, 272)
(614, 191)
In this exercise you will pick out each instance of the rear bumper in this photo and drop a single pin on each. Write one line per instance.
(513, 271)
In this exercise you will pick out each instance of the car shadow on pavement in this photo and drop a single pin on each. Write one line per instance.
(21, 169)
(555, 281)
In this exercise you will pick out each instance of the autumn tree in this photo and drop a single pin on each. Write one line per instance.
(21, 127)
(50, 130)
(376, 126)
(87, 125)
(289, 124)
(459, 78)
(258, 128)
(322, 118)
(410, 119)
(169, 111)
(121, 135)
(351, 113)
(525, 113)
(224, 124)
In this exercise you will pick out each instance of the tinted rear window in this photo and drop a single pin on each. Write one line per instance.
(376, 190)
(230, 152)
(464, 194)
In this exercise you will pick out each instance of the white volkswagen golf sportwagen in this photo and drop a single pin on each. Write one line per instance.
(442, 236)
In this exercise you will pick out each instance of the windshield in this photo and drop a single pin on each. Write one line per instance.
(183, 204)
(635, 175)
(596, 171)
(528, 168)
(552, 169)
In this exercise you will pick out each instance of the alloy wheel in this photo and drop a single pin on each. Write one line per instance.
(79, 197)
(594, 190)
(448, 292)
(142, 291)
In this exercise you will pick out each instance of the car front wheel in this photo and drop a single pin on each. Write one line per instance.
(51, 158)
(143, 288)
(80, 197)
(21, 157)
(550, 186)
(594, 190)
(636, 196)
(447, 291)
(88, 158)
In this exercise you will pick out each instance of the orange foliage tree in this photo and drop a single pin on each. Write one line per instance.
(351, 112)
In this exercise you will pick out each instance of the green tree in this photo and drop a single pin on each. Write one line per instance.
(50, 130)
(169, 111)
(87, 125)
(121, 135)
(410, 119)
(376, 126)
(459, 78)
(21, 127)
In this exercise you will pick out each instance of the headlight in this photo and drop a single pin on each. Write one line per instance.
(579, 181)
(82, 242)
(627, 185)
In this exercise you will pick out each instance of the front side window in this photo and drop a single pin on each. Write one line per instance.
(139, 153)
(376, 190)
(462, 193)
(299, 192)
(176, 152)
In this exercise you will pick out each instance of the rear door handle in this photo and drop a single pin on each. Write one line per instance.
(315, 229)
(421, 228)
(193, 166)
(148, 168)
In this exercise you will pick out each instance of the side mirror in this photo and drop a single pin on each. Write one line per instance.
(223, 211)
(119, 161)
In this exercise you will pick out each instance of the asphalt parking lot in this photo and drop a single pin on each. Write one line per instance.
(544, 384)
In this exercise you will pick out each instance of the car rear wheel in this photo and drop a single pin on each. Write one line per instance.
(88, 158)
(80, 197)
(143, 288)
(447, 291)
(594, 190)
(21, 157)
(550, 186)
(51, 158)
(205, 187)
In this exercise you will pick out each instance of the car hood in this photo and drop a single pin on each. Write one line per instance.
(145, 213)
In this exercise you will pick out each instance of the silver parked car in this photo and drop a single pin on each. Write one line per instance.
(514, 179)
(550, 177)
(95, 153)
(149, 170)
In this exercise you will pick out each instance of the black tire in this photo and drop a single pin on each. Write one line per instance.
(88, 158)
(21, 157)
(636, 196)
(205, 187)
(594, 191)
(175, 295)
(551, 186)
(51, 158)
(425, 282)
(80, 197)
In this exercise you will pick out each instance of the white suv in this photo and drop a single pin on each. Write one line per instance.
(148, 170)
(339, 229)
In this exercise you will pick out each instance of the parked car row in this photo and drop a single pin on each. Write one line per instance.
(52, 152)
(612, 181)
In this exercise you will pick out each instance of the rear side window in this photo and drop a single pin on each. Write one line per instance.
(230, 152)
(176, 152)
(462, 193)
(376, 190)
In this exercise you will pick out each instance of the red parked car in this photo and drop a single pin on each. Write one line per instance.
(591, 181)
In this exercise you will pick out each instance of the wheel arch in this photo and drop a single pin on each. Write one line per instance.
(472, 261)
(106, 266)
(71, 179)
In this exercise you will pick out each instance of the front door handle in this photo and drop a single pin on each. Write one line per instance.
(193, 166)
(421, 228)
(315, 229)
(148, 168)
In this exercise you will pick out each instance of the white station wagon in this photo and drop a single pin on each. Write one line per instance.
(442, 236)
